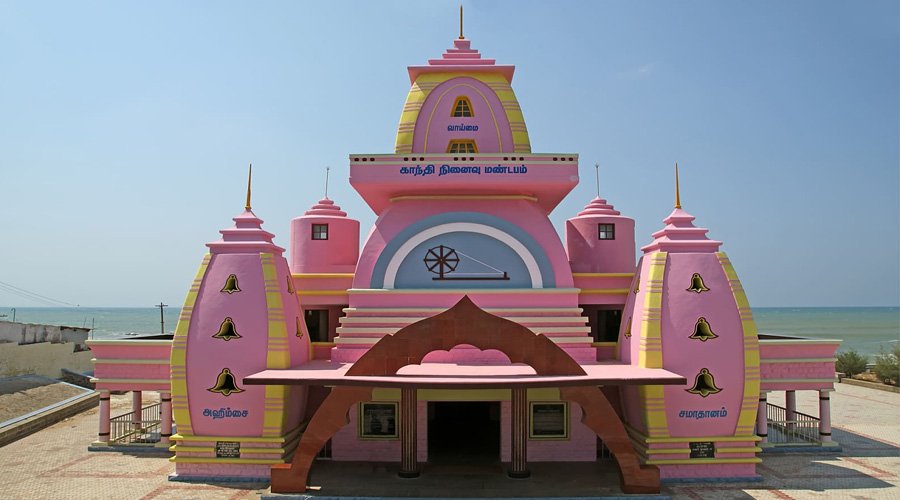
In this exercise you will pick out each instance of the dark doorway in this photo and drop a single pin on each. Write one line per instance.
(464, 432)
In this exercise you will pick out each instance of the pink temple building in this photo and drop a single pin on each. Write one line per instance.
(463, 328)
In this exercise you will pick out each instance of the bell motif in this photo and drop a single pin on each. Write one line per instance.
(225, 384)
(299, 329)
(290, 285)
(227, 331)
(702, 331)
(627, 332)
(231, 285)
(697, 284)
(704, 384)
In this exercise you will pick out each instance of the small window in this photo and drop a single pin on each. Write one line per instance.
(462, 107)
(320, 231)
(317, 324)
(607, 231)
(462, 146)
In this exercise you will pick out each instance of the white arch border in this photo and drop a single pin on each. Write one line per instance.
(534, 272)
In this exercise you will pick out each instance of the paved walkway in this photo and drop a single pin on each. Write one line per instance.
(54, 464)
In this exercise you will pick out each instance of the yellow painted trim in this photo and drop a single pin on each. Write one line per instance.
(202, 460)
(603, 291)
(690, 461)
(604, 344)
(468, 105)
(464, 197)
(719, 439)
(664, 451)
(243, 439)
(321, 292)
(603, 275)
(747, 418)
(650, 346)
(104, 361)
(322, 344)
(464, 394)
(755, 449)
(178, 363)
(274, 414)
(302, 276)
(385, 394)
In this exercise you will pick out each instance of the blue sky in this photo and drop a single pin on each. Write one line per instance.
(126, 128)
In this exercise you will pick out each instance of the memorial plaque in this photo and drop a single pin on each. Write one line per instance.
(703, 449)
(549, 421)
(378, 420)
(228, 449)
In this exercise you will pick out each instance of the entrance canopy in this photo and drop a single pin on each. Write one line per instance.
(456, 376)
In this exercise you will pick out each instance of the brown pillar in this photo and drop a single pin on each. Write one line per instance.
(408, 466)
(519, 437)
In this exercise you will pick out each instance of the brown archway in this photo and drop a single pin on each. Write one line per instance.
(465, 323)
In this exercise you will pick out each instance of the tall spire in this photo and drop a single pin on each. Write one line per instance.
(327, 169)
(677, 190)
(249, 178)
(597, 172)
(461, 37)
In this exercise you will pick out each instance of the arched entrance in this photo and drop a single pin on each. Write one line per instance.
(466, 323)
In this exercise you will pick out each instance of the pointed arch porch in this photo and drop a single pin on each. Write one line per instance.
(465, 323)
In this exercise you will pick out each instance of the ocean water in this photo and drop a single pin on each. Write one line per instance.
(865, 329)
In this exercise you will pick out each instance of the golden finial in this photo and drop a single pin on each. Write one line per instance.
(677, 190)
(461, 37)
(327, 169)
(249, 178)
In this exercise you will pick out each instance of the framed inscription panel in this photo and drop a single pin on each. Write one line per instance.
(378, 420)
(549, 420)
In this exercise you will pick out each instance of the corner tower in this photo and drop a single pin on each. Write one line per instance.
(687, 313)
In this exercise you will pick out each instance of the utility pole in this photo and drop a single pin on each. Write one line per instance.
(162, 322)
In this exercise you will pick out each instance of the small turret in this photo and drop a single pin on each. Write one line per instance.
(600, 240)
(324, 240)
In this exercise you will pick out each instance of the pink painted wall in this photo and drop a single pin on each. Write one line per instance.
(431, 131)
(722, 356)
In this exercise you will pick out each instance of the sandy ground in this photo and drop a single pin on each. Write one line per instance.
(28, 393)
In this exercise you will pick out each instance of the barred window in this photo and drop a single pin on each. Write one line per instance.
(462, 146)
(462, 108)
(320, 231)
(607, 231)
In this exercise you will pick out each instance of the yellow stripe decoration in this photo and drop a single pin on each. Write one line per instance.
(273, 413)
(749, 406)
(179, 351)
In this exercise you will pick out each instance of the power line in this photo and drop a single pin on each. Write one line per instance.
(26, 294)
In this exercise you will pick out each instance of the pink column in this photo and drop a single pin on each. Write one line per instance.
(762, 425)
(136, 402)
(103, 434)
(165, 414)
(790, 407)
(825, 416)
(519, 437)
(408, 420)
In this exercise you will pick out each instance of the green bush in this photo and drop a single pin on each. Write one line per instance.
(887, 365)
(851, 362)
